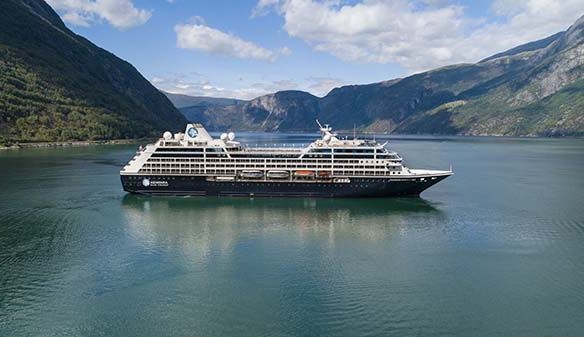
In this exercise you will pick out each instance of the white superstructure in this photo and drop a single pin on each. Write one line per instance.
(196, 152)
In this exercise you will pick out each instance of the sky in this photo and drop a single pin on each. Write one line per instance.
(248, 48)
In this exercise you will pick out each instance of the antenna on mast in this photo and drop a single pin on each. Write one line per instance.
(324, 129)
(354, 132)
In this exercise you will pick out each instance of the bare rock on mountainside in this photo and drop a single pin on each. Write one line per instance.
(536, 89)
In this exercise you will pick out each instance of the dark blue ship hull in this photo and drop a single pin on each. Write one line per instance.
(354, 188)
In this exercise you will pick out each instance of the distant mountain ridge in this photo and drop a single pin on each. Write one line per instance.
(56, 85)
(536, 89)
(183, 101)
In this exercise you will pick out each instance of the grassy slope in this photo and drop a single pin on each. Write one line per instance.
(560, 114)
(55, 85)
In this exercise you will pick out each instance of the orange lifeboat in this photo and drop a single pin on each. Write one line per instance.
(304, 174)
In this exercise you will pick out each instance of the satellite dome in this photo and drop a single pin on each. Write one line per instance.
(327, 137)
(231, 136)
(223, 136)
(167, 135)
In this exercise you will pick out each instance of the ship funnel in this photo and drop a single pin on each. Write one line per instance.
(196, 132)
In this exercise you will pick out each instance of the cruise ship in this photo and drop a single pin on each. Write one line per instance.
(194, 163)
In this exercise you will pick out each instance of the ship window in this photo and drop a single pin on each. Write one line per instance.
(355, 151)
(321, 150)
(171, 149)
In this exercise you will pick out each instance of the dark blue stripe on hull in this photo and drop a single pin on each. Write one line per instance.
(199, 186)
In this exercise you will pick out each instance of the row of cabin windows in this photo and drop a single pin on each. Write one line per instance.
(235, 151)
(189, 149)
(161, 152)
(220, 149)
(232, 172)
(227, 160)
(264, 157)
(259, 161)
(354, 150)
(188, 155)
(163, 149)
(379, 167)
(228, 172)
(349, 150)
(284, 167)
(337, 156)
(211, 163)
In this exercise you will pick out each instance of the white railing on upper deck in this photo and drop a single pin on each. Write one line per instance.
(294, 148)
(277, 145)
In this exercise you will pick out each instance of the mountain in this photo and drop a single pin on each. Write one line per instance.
(183, 101)
(198, 108)
(536, 89)
(281, 111)
(56, 85)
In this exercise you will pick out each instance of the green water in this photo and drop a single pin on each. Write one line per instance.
(495, 250)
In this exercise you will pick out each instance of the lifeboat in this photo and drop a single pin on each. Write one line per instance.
(251, 174)
(304, 174)
(323, 174)
(278, 174)
(225, 178)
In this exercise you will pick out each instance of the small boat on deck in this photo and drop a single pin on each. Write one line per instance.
(278, 174)
(304, 174)
(251, 174)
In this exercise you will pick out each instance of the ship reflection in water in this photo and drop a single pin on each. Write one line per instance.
(200, 224)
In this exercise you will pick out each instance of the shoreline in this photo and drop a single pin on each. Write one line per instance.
(40, 145)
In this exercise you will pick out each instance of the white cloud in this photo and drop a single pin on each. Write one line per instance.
(77, 19)
(263, 7)
(418, 34)
(197, 85)
(320, 86)
(197, 35)
(285, 51)
(525, 21)
(119, 13)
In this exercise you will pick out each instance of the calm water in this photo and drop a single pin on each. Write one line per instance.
(495, 250)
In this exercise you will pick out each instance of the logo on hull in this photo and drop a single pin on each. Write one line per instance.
(154, 183)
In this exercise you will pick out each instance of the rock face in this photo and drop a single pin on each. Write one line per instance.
(184, 101)
(56, 85)
(284, 110)
(536, 89)
(281, 111)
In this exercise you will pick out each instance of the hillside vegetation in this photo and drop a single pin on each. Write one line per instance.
(56, 85)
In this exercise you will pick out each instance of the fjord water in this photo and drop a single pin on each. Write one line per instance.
(495, 250)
